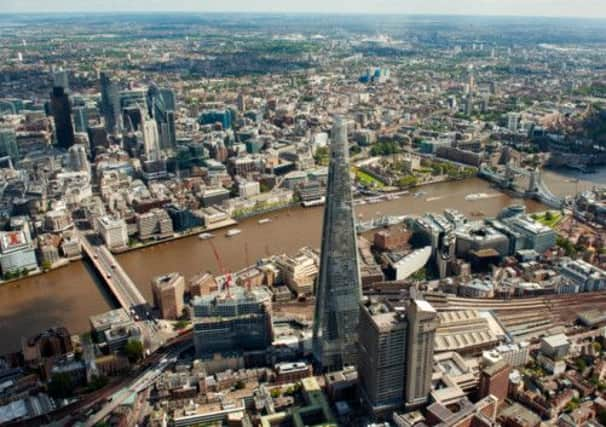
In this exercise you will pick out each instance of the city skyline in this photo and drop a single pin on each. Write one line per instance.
(543, 8)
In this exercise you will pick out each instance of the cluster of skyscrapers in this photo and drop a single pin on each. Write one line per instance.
(151, 112)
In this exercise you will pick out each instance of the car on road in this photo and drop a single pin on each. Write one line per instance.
(109, 276)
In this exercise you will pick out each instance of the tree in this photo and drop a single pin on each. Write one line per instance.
(60, 386)
(548, 216)
(46, 265)
(597, 347)
(420, 275)
(407, 181)
(134, 350)
(567, 245)
(97, 382)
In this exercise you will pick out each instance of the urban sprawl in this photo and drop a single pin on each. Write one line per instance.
(122, 132)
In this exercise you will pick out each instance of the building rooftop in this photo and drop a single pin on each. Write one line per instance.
(556, 340)
(112, 317)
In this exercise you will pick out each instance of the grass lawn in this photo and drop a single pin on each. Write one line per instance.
(367, 179)
(549, 220)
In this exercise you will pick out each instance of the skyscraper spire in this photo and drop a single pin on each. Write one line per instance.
(338, 291)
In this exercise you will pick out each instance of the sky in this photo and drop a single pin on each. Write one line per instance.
(565, 8)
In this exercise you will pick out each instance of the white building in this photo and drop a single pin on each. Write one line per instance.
(248, 188)
(412, 263)
(299, 272)
(151, 139)
(514, 354)
(513, 121)
(113, 232)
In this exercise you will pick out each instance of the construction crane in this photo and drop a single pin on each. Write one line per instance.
(222, 270)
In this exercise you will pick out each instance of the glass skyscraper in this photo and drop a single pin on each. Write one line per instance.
(338, 290)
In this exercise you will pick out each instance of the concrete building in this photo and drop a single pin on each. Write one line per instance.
(586, 276)
(395, 360)
(156, 222)
(513, 354)
(168, 295)
(534, 235)
(299, 272)
(382, 337)
(17, 252)
(338, 293)
(552, 352)
(477, 236)
(248, 188)
(438, 232)
(113, 232)
(213, 196)
(100, 323)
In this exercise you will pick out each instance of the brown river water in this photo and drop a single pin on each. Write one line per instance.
(68, 296)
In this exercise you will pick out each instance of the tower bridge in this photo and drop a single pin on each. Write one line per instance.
(536, 188)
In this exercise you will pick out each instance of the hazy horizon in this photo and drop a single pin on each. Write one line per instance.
(512, 8)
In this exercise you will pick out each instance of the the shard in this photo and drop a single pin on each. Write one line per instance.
(338, 290)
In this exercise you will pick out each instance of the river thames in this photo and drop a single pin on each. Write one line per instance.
(68, 296)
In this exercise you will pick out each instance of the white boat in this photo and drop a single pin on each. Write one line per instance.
(420, 193)
(205, 236)
(311, 203)
(478, 196)
(233, 232)
(264, 221)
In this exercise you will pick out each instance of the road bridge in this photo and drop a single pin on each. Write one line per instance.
(536, 188)
(116, 279)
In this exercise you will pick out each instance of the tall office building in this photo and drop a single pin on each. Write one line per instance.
(338, 291)
(161, 103)
(110, 104)
(395, 359)
(78, 159)
(80, 118)
(62, 113)
(151, 139)
(61, 79)
(168, 295)
(422, 324)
